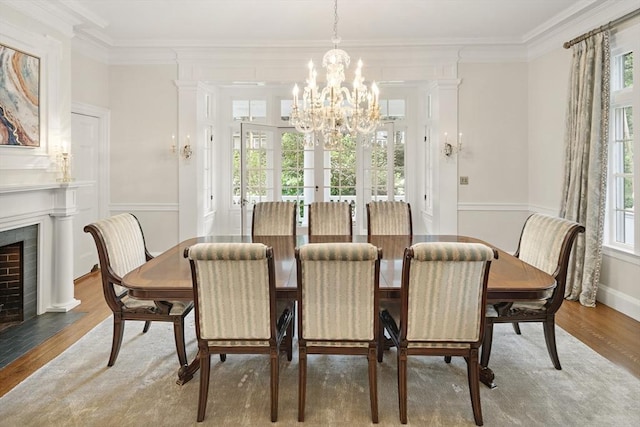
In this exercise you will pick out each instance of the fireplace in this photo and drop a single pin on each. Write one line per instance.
(18, 274)
(41, 217)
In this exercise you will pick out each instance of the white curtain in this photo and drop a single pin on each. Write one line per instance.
(586, 145)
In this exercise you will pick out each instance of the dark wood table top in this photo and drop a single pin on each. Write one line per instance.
(168, 276)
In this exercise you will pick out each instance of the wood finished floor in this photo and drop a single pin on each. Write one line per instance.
(608, 332)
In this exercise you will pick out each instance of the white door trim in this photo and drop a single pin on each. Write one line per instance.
(104, 116)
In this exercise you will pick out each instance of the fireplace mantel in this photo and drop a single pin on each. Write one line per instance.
(51, 206)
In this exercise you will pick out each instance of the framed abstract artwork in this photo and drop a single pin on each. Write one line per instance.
(19, 98)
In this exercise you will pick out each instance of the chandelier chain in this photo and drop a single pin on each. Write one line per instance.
(335, 23)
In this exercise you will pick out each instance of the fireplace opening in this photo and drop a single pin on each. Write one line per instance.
(11, 284)
(18, 275)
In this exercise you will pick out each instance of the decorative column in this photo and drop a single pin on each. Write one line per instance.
(62, 288)
(445, 210)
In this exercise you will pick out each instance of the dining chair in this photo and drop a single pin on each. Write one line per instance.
(441, 310)
(330, 219)
(121, 248)
(338, 307)
(389, 218)
(274, 219)
(236, 310)
(545, 243)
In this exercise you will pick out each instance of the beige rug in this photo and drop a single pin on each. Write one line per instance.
(77, 388)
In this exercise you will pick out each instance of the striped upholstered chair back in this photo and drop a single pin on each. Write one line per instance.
(546, 243)
(444, 288)
(233, 292)
(330, 219)
(338, 284)
(338, 307)
(389, 218)
(274, 219)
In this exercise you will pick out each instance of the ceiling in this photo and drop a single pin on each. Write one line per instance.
(189, 23)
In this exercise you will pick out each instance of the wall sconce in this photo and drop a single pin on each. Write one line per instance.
(450, 149)
(186, 152)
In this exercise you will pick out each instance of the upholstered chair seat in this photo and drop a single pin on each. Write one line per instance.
(236, 309)
(441, 310)
(121, 248)
(338, 307)
(545, 243)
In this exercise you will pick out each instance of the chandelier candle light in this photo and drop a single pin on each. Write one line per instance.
(335, 111)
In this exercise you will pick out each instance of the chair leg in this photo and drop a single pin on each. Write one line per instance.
(447, 359)
(381, 339)
(205, 371)
(302, 380)
(402, 384)
(473, 375)
(516, 328)
(550, 338)
(118, 332)
(486, 344)
(274, 384)
(178, 333)
(288, 339)
(373, 384)
(146, 326)
(223, 357)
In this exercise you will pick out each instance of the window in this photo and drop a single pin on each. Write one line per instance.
(623, 225)
(282, 164)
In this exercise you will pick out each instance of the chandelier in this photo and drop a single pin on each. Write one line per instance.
(335, 111)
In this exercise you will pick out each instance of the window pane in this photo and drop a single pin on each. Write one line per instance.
(285, 109)
(258, 109)
(240, 110)
(627, 67)
(628, 193)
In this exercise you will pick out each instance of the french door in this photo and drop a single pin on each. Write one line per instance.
(277, 163)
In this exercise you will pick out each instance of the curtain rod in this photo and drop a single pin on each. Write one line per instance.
(609, 25)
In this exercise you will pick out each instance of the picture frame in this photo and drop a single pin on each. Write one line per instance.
(19, 98)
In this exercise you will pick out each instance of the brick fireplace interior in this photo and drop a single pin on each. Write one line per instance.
(18, 275)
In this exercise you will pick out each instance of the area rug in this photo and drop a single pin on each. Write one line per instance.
(78, 389)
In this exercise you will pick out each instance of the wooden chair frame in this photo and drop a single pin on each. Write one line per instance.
(304, 349)
(505, 314)
(279, 323)
(121, 314)
(398, 335)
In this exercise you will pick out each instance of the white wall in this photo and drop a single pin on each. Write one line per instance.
(90, 81)
(493, 121)
(144, 171)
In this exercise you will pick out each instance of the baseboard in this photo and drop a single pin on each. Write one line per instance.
(619, 301)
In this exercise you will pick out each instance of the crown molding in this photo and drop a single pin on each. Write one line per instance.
(597, 16)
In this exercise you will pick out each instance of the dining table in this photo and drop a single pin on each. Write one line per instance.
(167, 276)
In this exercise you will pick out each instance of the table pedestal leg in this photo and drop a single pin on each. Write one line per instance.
(185, 373)
(487, 376)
